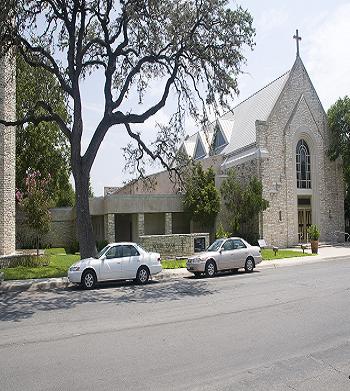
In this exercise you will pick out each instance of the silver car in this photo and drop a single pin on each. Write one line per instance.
(225, 254)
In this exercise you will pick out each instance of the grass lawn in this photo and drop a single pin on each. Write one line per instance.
(269, 255)
(173, 263)
(60, 262)
(58, 266)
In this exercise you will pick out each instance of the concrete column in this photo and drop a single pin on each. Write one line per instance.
(7, 157)
(141, 224)
(109, 227)
(168, 223)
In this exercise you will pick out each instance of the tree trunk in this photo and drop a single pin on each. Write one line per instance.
(86, 238)
(37, 246)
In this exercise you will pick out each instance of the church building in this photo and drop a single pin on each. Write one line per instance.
(280, 135)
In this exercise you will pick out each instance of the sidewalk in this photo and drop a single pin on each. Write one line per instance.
(324, 254)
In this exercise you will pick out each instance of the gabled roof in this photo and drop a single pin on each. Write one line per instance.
(256, 107)
(238, 125)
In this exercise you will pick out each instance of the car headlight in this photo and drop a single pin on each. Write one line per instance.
(74, 268)
(195, 260)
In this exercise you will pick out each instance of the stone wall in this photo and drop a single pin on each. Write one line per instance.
(175, 245)
(7, 157)
(62, 230)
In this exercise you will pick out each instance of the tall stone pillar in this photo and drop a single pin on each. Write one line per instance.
(109, 227)
(168, 224)
(141, 224)
(7, 157)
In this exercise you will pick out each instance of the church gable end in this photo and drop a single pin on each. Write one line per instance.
(298, 115)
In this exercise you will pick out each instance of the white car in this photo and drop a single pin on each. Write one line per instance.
(117, 261)
(225, 254)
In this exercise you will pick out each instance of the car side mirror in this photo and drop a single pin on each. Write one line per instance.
(220, 251)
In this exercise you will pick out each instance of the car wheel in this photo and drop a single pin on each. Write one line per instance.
(88, 279)
(210, 269)
(142, 275)
(249, 265)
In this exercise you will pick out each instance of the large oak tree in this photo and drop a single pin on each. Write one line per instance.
(191, 49)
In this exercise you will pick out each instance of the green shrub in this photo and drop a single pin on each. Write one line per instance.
(221, 233)
(26, 261)
(314, 232)
(100, 244)
(73, 247)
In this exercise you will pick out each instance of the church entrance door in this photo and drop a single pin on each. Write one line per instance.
(304, 218)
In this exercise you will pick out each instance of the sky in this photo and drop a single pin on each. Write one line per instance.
(325, 50)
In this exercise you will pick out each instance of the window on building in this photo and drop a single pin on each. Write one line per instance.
(219, 140)
(200, 152)
(303, 165)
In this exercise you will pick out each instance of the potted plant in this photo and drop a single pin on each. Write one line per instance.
(314, 235)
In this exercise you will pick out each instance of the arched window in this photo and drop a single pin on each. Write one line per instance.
(303, 165)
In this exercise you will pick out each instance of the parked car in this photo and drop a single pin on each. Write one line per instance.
(116, 261)
(225, 254)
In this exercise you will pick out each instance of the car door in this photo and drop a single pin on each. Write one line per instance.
(111, 266)
(226, 256)
(131, 261)
(240, 253)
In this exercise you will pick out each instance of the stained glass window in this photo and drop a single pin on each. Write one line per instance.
(303, 165)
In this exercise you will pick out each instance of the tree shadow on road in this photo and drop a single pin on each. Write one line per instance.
(17, 306)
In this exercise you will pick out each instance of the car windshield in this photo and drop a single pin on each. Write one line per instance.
(216, 245)
(100, 253)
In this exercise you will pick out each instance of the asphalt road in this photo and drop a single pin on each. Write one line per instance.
(275, 329)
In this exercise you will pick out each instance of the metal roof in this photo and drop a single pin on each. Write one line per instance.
(256, 107)
(238, 124)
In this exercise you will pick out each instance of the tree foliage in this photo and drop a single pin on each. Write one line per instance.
(36, 201)
(42, 147)
(149, 50)
(339, 125)
(202, 199)
(243, 202)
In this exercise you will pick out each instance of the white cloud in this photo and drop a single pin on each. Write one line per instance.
(328, 55)
(270, 20)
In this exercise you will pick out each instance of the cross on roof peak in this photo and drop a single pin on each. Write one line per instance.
(297, 38)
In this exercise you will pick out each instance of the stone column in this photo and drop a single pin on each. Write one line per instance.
(141, 224)
(7, 157)
(168, 223)
(109, 227)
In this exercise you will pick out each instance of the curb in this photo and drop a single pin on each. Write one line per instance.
(170, 274)
(63, 283)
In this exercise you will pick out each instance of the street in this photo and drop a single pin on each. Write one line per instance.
(274, 329)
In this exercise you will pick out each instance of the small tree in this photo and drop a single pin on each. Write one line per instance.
(339, 125)
(36, 203)
(202, 199)
(243, 202)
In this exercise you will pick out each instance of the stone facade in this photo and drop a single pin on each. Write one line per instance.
(298, 114)
(173, 245)
(7, 157)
